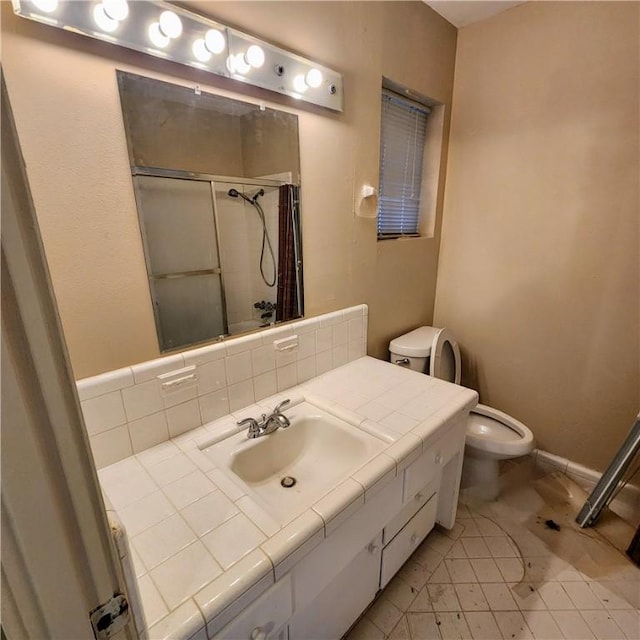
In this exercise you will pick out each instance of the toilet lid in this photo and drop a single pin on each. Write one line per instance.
(415, 344)
(445, 357)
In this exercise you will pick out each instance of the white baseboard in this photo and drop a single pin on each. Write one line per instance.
(627, 502)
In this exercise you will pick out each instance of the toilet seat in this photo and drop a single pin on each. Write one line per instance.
(496, 433)
(445, 357)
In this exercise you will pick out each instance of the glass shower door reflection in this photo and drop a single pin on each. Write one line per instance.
(183, 265)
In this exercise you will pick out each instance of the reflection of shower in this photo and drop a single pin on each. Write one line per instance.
(234, 193)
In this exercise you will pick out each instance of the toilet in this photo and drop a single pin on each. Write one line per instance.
(491, 434)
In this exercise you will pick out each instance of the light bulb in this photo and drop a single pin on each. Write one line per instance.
(255, 56)
(214, 41)
(200, 51)
(47, 6)
(241, 65)
(231, 64)
(299, 84)
(116, 9)
(156, 36)
(314, 78)
(170, 24)
(103, 20)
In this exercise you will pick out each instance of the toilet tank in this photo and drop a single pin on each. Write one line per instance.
(413, 349)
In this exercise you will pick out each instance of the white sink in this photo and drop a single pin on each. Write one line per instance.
(318, 451)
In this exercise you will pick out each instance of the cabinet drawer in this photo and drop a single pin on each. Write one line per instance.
(404, 544)
(424, 471)
(264, 618)
(412, 506)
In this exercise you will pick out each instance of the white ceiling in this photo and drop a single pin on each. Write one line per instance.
(463, 12)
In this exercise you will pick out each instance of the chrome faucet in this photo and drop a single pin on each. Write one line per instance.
(266, 424)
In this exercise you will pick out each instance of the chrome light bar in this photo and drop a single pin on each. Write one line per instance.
(167, 31)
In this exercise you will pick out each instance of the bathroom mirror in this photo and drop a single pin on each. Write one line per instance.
(217, 184)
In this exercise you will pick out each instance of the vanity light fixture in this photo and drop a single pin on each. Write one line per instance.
(168, 31)
(46, 6)
(314, 78)
(103, 19)
(116, 9)
(299, 84)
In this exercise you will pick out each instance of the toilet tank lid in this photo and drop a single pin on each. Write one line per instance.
(415, 344)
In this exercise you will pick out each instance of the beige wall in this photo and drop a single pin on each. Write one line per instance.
(538, 274)
(64, 94)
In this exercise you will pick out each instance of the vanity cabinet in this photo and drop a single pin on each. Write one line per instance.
(336, 582)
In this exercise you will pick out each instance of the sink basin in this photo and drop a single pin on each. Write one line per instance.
(317, 451)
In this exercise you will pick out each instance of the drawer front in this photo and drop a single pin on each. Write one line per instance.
(395, 554)
(443, 449)
(429, 465)
(412, 506)
(264, 618)
(419, 474)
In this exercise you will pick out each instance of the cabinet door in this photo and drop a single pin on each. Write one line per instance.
(264, 619)
(338, 606)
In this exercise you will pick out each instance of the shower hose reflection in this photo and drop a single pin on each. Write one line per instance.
(266, 241)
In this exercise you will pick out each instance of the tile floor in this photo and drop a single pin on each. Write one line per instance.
(492, 578)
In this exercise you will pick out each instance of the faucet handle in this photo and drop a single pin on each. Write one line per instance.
(282, 404)
(254, 427)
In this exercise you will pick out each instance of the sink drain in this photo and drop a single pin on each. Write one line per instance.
(288, 481)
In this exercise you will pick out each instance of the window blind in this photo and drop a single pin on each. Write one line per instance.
(403, 131)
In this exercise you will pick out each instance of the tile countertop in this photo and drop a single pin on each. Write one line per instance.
(202, 549)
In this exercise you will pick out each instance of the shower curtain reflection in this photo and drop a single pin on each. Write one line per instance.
(289, 299)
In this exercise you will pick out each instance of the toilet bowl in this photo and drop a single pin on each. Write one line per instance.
(491, 434)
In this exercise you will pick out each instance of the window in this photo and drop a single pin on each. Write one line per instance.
(402, 143)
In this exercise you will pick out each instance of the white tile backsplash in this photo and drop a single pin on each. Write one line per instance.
(183, 417)
(340, 334)
(241, 395)
(263, 359)
(110, 446)
(214, 405)
(324, 339)
(104, 383)
(103, 412)
(126, 410)
(149, 370)
(142, 399)
(148, 431)
(265, 385)
(238, 367)
(287, 376)
(202, 355)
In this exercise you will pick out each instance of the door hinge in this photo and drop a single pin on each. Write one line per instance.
(110, 617)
